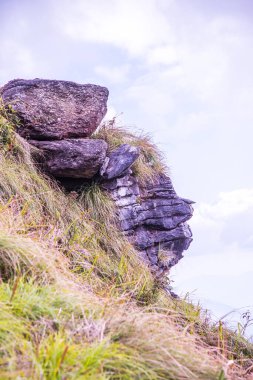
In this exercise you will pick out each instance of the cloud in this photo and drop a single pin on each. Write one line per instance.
(220, 258)
(194, 70)
(113, 74)
(23, 62)
(224, 289)
(152, 99)
(131, 25)
(226, 224)
(228, 261)
(228, 204)
(219, 275)
(165, 55)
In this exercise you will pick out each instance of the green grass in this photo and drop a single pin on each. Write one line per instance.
(76, 302)
(49, 333)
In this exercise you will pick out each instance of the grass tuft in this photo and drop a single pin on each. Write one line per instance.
(150, 162)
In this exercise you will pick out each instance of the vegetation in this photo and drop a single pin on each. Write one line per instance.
(77, 303)
(150, 161)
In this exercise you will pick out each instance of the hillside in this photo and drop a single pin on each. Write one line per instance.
(77, 299)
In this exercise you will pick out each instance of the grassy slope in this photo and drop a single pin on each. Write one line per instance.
(76, 303)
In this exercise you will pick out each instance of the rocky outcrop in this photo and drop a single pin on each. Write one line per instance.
(74, 158)
(57, 117)
(53, 109)
(153, 218)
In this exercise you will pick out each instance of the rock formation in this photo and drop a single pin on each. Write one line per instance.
(57, 117)
(54, 110)
(153, 218)
(73, 158)
(119, 161)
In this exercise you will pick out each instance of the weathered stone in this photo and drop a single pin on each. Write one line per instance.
(153, 218)
(119, 161)
(116, 183)
(164, 217)
(144, 238)
(54, 109)
(126, 201)
(75, 158)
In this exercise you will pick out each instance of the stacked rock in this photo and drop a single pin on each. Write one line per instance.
(58, 117)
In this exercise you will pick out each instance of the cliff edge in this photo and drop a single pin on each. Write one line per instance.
(60, 118)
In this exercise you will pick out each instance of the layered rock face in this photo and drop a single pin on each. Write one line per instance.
(153, 218)
(57, 117)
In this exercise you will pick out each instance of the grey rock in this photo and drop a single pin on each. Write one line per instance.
(75, 158)
(144, 238)
(164, 217)
(190, 202)
(153, 259)
(115, 183)
(153, 218)
(54, 109)
(126, 201)
(119, 161)
(125, 192)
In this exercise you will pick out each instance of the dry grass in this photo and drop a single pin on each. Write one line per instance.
(151, 160)
(76, 303)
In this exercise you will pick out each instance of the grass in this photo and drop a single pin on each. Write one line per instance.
(77, 303)
(150, 162)
(101, 210)
(49, 334)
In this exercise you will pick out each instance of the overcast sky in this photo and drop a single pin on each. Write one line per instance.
(180, 70)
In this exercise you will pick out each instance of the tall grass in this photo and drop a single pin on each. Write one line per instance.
(34, 206)
(76, 302)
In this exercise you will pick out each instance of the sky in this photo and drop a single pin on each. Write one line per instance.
(181, 71)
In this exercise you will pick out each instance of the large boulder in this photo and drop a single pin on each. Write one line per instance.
(75, 158)
(54, 109)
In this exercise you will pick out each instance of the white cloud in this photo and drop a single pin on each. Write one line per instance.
(228, 204)
(229, 261)
(221, 252)
(165, 55)
(16, 58)
(113, 74)
(131, 25)
(152, 99)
